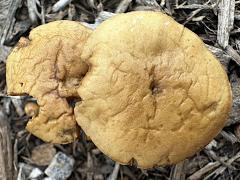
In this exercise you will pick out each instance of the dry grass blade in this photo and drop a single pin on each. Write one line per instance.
(209, 167)
(221, 169)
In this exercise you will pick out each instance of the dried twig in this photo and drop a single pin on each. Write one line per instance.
(33, 10)
(60, 5)
(229, 136)
(114, 174)
(233, 53)
(194, 13)
(221, 169)
(122, 7)
(209, 167)
(42, 12)
(214, 156)
(194, 6)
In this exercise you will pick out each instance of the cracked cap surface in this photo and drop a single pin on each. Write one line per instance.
(48, 67)
(154, 94)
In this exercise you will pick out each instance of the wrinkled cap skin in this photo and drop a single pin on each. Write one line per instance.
(154, 94)
(48, 67)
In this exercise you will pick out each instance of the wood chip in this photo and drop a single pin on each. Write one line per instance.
(225, 21)
(7, 19)
(222, 56)
(178, 172)
(234, 116)
(6, 159)
(4, 51)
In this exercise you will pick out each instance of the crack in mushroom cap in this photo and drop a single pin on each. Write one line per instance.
(48, 67)
(154, 94)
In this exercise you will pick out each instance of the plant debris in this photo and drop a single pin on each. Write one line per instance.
(204, 17)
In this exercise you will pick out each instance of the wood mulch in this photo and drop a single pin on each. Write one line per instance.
(217, 22)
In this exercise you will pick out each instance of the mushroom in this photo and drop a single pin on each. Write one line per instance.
(154, 94)
(48, 67)
(31, 109)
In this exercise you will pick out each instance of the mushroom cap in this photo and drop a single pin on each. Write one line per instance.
(154, 94)
(48, 67)
(31, 109)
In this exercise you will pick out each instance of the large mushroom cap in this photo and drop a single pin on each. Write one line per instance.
(154, 94)
(48, 67)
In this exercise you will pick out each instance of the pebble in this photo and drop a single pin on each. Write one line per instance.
(61, 167)
(36, 173)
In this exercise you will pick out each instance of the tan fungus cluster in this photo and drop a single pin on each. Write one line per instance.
(150, 93)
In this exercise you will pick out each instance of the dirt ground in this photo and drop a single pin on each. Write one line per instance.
(216, 22)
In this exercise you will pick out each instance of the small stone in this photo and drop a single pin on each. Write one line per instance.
(43, 154)
(61, 167)
(36, 173)
(25, 169)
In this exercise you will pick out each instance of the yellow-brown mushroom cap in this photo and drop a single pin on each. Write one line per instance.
(154, 94)
(48, 67)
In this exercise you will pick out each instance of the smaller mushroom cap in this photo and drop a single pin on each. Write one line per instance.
(48, 67)
(31, 109)
(154, 94)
